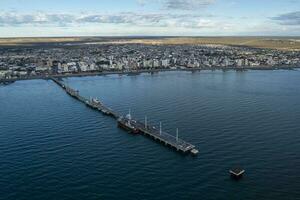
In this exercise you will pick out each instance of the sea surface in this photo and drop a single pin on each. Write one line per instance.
(53, 147)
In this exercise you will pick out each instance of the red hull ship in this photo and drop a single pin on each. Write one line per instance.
(127, 124)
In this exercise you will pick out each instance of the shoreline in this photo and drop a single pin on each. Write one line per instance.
(137, 72)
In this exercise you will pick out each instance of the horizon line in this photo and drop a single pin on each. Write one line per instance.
(145, 36)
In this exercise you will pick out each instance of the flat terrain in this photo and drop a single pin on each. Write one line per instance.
(256, 42)
(281, 43)
(43, 40)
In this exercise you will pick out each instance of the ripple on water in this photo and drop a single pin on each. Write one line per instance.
(53, 147)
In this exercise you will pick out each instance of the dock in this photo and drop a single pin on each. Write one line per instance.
(142, 127)
(165, 138)
(90, 102)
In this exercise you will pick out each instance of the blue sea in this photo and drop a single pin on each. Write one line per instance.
(54, 147)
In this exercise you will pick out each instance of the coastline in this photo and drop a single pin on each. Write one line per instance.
(137, 72)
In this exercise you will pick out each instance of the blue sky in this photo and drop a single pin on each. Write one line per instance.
(25, 18)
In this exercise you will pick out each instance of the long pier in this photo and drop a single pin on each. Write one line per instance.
(141, 127)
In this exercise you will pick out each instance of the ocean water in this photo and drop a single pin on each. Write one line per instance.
(53, 147)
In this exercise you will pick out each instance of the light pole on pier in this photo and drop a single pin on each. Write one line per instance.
(177, 135)
(160, 128)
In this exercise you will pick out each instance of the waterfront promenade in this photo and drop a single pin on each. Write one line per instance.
(136, 72)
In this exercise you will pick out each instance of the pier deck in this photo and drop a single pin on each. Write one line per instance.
(89, 102)
(166, 138)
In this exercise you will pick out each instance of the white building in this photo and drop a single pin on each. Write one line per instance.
(165, 63)
(83, 66)
(2, 74)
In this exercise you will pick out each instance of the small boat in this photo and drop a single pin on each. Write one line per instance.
(105, 112)
(237, 173)
(194, 152)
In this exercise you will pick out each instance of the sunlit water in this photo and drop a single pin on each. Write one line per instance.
(53, 147)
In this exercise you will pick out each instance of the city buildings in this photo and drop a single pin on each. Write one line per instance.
(41, 61)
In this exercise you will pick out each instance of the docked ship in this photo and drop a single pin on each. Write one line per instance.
(72, 93)
(93, 103)
(126, 124)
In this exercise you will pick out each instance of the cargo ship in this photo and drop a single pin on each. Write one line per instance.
(126, 124)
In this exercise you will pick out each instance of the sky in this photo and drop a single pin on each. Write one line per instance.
(36, 18)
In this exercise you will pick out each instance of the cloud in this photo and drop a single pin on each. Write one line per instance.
(187, 4)
(184, 5)
(292, 18)
(126, 18)
(142, 2)
(15, 19)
